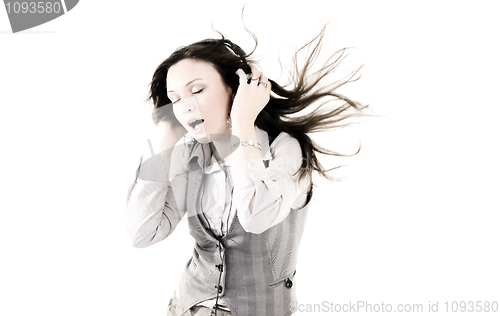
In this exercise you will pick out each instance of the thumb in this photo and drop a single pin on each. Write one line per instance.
(243, 76)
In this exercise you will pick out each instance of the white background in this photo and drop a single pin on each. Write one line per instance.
(416, 221)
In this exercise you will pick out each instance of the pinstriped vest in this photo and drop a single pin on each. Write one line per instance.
(258, 269)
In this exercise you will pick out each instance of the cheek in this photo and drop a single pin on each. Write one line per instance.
(214, 108)
(206, 106)
(178, 116)
(217, 105)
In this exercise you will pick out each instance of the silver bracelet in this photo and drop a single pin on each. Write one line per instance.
(250, 143)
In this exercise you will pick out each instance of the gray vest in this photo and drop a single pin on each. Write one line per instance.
(258, 270)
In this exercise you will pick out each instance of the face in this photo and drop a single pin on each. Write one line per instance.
(201, 100)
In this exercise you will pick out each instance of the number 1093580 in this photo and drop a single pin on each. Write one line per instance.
(33, 7)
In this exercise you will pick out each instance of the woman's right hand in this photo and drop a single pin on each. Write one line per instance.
(167, 134)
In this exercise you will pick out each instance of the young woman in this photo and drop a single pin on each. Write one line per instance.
(242, 173)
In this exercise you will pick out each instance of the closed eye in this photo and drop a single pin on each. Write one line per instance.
(194, 92)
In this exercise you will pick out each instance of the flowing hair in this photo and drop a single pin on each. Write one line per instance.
(284, 111)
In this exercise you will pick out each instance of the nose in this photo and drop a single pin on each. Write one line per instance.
(187, 105)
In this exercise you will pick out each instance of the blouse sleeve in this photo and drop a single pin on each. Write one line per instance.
(153, 208)
(277, 188)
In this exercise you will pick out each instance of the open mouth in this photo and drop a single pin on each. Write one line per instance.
(196, 124)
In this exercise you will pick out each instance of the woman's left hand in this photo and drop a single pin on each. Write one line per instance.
(251, 97)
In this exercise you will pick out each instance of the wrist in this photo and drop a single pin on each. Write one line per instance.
(242, 124)
(244, 131)
(242, 118)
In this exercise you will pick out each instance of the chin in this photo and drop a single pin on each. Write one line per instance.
(203, 138)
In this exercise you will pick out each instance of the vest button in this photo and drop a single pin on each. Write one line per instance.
(219, 288)
(288, 283)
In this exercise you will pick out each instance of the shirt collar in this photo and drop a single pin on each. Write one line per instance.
(201, 151)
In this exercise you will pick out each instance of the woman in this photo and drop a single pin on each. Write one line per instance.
(243, 174)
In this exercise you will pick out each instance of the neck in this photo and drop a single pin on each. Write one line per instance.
(223, 146)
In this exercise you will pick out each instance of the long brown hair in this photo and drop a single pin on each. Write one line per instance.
(283, 113)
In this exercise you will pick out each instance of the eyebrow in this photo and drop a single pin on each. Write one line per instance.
(187, 84)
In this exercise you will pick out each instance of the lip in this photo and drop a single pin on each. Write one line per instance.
(199, 127)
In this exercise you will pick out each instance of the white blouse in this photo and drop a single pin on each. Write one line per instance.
(154, 209)
(156, 206)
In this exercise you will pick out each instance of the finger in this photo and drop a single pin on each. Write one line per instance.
(256, 73)
(268, 88)
(263, 79)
